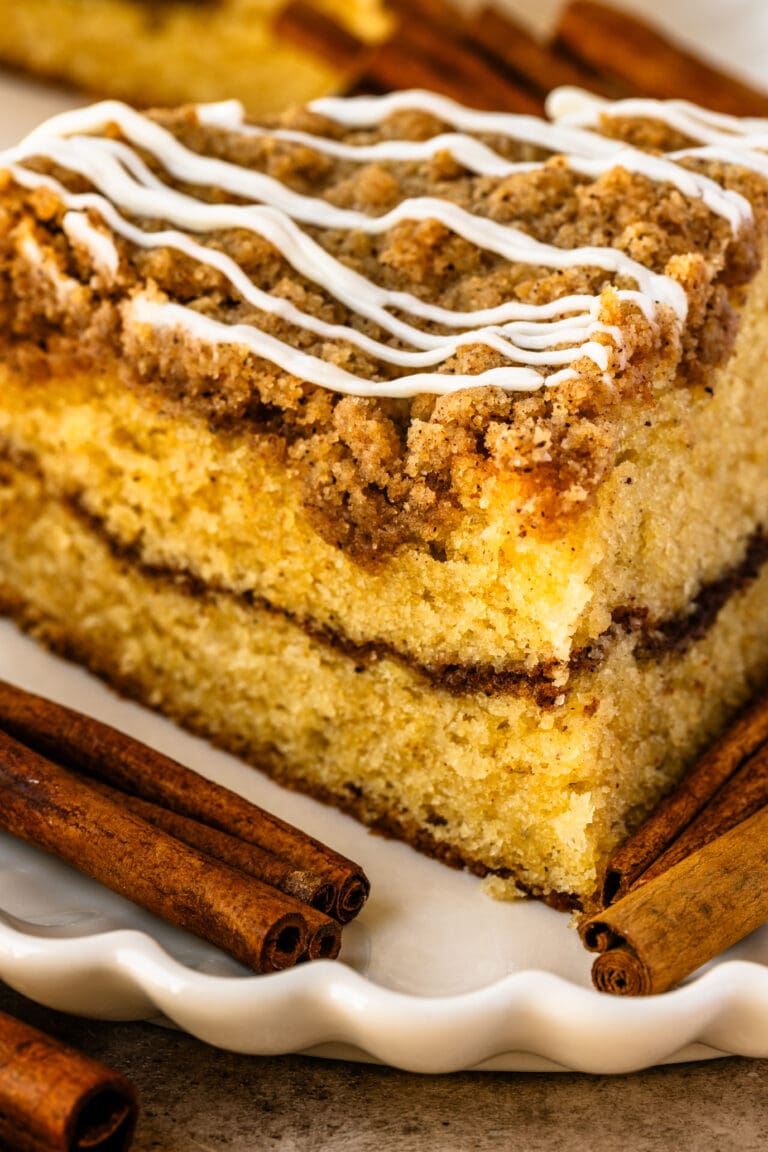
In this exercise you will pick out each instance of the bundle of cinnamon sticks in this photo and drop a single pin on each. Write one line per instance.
(489, 60)
(693, 880)
(181, 846)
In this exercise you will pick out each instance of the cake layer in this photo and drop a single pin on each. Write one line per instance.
(535, 797)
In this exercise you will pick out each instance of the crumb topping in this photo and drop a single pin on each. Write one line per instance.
(379, 473)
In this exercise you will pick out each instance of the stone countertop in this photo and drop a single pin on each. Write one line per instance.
(197, 1099)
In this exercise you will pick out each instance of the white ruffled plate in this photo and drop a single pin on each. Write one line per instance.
(433, 977)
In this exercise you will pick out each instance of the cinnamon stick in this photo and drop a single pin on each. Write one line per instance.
(319, 35)
(744, 793)
(438, 14)
(98, 750)
(415, 56)
(541, 66)
(505, 46)
(55, 1099)
(45, 805)
(639, 56)
(305, 886)
(662, 931)
(459, 71)
(696, 790)
(324, 939)
(440, 33)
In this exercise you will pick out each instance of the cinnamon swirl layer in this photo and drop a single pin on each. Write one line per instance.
(652, 639)
(226, 505)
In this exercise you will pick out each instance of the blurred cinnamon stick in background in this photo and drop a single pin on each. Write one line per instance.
(506, 46)
(472, 77)
(415, 56)
(625, 49)
(490, 60)
(540, 66)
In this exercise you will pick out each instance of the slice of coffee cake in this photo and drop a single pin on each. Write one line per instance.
(416, 454)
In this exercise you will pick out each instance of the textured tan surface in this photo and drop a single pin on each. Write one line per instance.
(196, 1099)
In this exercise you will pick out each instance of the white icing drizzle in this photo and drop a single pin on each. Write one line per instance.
(158, 315)
(574, 107)
(370, 111)
(471, 153)
(747, 158)
(724, 138)
(100, 247)
(592, 160)
(127, 195)
(531, 341)
(87, 156)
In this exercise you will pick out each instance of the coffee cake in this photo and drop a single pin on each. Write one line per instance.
(413, 453)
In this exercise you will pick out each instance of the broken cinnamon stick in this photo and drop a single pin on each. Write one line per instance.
(85, 744)
(682, 806)
(662, 931)
(55, 1099)
(48, 806)
(635, 54)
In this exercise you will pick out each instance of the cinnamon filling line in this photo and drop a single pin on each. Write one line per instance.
(655, 639)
